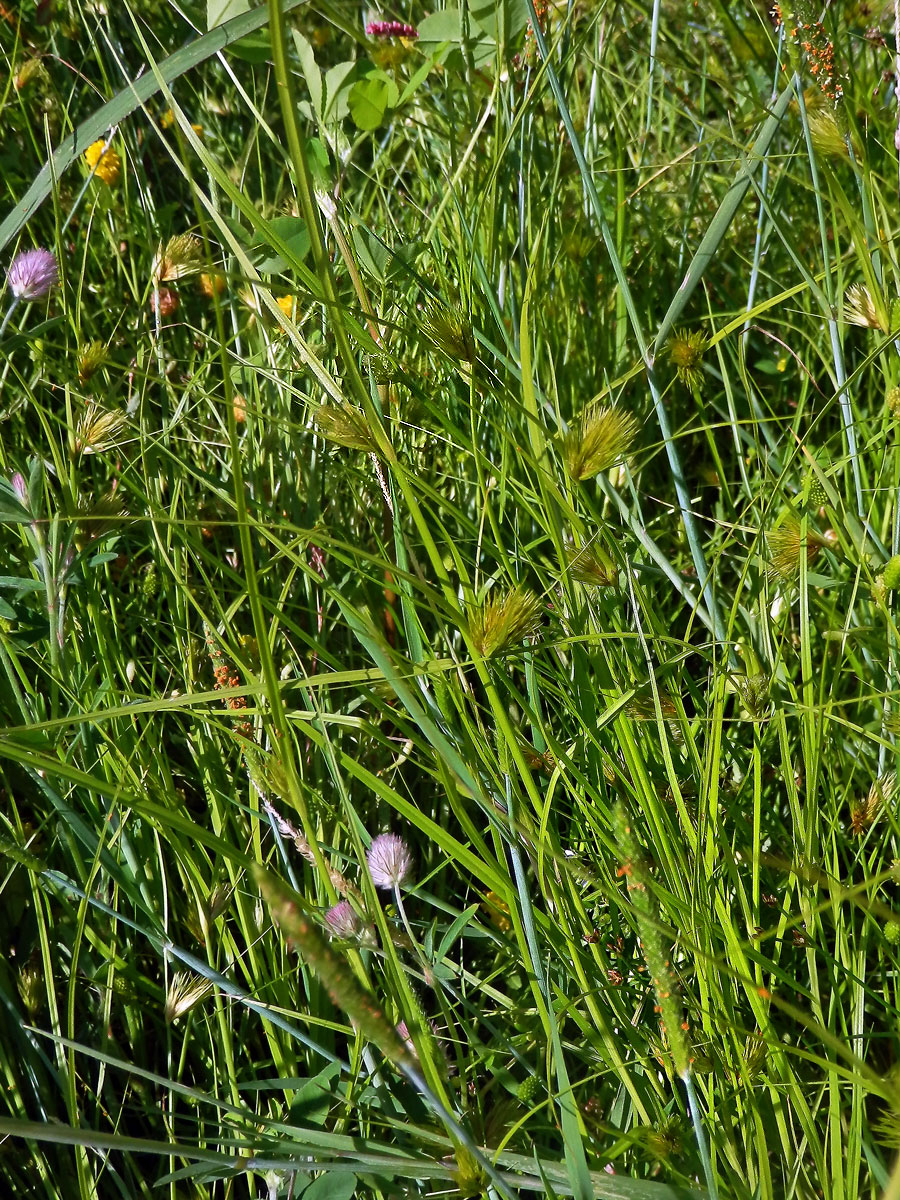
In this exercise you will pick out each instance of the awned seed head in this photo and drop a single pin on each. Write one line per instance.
(505, 620)
(600, 440)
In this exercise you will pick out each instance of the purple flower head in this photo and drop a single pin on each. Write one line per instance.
(342, 921)
(20, 487)
(391, 29)
(390, 862)
(32, 274)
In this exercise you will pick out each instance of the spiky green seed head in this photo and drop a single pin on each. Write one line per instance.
(892, 932)
(345, 426)
(451, 331)
(505, 620)
(686, 349)
(601, 440)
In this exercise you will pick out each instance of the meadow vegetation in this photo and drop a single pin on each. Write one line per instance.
(450, 537)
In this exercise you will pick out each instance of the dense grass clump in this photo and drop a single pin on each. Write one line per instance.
(449, 674)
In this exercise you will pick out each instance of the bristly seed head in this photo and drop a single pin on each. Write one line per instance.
(185, 991)
(98, 429)
(786, 546)
(601, 440)
(390, 861)
(686, 349)
(866, 812)
(861, 309)
(345, 426)
(90, 359)
(181, 255)
(504, 621)
(592, 566)
(451, 331)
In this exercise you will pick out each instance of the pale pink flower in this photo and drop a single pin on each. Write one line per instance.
(390, 861)
(342, 920)
(32, 274)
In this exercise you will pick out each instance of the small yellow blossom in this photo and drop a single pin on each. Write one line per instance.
(286, 304)
(167, 120)
(212, 283)
(103, 161)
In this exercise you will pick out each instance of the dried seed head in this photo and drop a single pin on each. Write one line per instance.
(865, 813)
(90, 359)
(601, 439)
(686, 349)
(99, 517)
(165, 300)
(345, 426)
(31, 70)
(389, 860)
(98, 429)
(861, 309)
(505, 620)
(103, 162)
(185, 991)
(451, 331)
(786, 546)
(591, 565)
(32, 274)
(181, 255)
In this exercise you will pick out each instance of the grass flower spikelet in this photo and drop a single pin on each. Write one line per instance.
(505, 620)
(342, 986)
(601, 440)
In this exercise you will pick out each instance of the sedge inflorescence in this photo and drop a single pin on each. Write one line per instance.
(815, 43)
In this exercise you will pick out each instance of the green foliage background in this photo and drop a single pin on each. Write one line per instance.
(294, 553)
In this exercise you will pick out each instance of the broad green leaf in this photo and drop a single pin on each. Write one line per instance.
(439, 27)
(369, 101)
(332, 1185)
(338, 82)
(220, 11)
(292, 231)
(311, 72)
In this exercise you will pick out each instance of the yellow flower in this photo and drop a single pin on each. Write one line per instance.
(286, 304)
(167, 120)
(103, 162)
